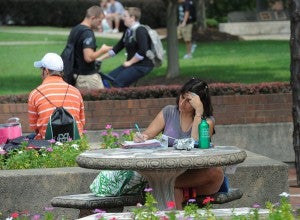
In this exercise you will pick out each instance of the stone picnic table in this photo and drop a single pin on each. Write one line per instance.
(161, 166)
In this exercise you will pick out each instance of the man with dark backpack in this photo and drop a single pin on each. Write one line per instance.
(80, 52)
(55, 106)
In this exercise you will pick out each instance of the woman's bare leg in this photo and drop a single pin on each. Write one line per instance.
(206, 181)
(178, 198)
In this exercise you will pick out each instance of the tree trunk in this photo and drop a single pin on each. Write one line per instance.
(295, 79)
(172, 42)
(200, 13)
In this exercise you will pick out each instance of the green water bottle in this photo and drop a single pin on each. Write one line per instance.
(204, 135)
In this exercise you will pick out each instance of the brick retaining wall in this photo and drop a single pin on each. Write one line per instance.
(235, 109)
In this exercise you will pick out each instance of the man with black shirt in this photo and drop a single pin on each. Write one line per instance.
(85, 52)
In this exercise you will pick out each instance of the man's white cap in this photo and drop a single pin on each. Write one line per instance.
(51, 61)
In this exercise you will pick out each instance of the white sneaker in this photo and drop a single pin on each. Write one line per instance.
(193, 48)
(187, 56)
(115, 31)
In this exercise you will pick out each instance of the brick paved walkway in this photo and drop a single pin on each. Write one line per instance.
(293, 189)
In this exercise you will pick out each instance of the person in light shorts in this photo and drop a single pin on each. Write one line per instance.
(186, 17)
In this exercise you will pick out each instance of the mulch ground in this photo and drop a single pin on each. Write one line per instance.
(211, 34)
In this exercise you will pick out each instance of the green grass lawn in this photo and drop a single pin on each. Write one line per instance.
(230, 61)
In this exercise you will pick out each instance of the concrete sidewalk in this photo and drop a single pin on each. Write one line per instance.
(161, 31)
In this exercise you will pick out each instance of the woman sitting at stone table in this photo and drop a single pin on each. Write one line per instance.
(181, 121)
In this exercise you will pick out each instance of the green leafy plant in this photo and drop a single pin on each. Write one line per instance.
(191, 209)
(209, 215)
(149, 210)
(112, 139)
(56, 155)
(283, 210)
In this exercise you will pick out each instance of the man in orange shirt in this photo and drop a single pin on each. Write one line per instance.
(53, 92)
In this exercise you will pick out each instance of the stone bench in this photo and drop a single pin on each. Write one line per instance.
(87, 203)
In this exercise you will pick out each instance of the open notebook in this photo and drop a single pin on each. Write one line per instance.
(152, 143)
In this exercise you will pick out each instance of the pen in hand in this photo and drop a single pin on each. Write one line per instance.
(139, 136)
(137, 127)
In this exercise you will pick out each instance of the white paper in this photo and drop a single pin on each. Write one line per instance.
(147, 143)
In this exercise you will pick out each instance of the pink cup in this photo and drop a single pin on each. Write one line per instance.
(10, 130)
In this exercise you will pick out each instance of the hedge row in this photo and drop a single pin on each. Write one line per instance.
(144, 92)
(67, 13)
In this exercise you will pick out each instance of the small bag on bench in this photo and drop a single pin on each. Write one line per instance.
(118, 183)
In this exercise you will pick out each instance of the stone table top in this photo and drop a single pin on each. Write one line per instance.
(160, 158)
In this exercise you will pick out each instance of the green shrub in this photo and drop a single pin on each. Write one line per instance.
(146, 92)
(210, 22)
(57, 155)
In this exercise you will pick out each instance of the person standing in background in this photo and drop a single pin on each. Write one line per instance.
(105, 27)
(186, 17)
(114, 14)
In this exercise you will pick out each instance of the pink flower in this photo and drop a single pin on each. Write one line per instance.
(256, 205)
(52, 141)
(115, 134)
(84, 131)
(99, 216)
(2, 152)
(207, 200)
(36, 217)
(99, 211)
(49, 208)
(126, 132)
(103, 133)
(192, 200)
(148, 189)
(30, 147)
(171, 205)
(49, 149)
(14, 215)
(108, 127)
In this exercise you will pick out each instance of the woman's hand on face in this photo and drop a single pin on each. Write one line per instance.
(139, 137)
(196, 103)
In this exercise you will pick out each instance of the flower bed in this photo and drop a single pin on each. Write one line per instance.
(281, 210)
(56, 155)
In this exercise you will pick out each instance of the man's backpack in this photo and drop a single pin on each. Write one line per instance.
(156, 53)
(68, 57)
(62, 125)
